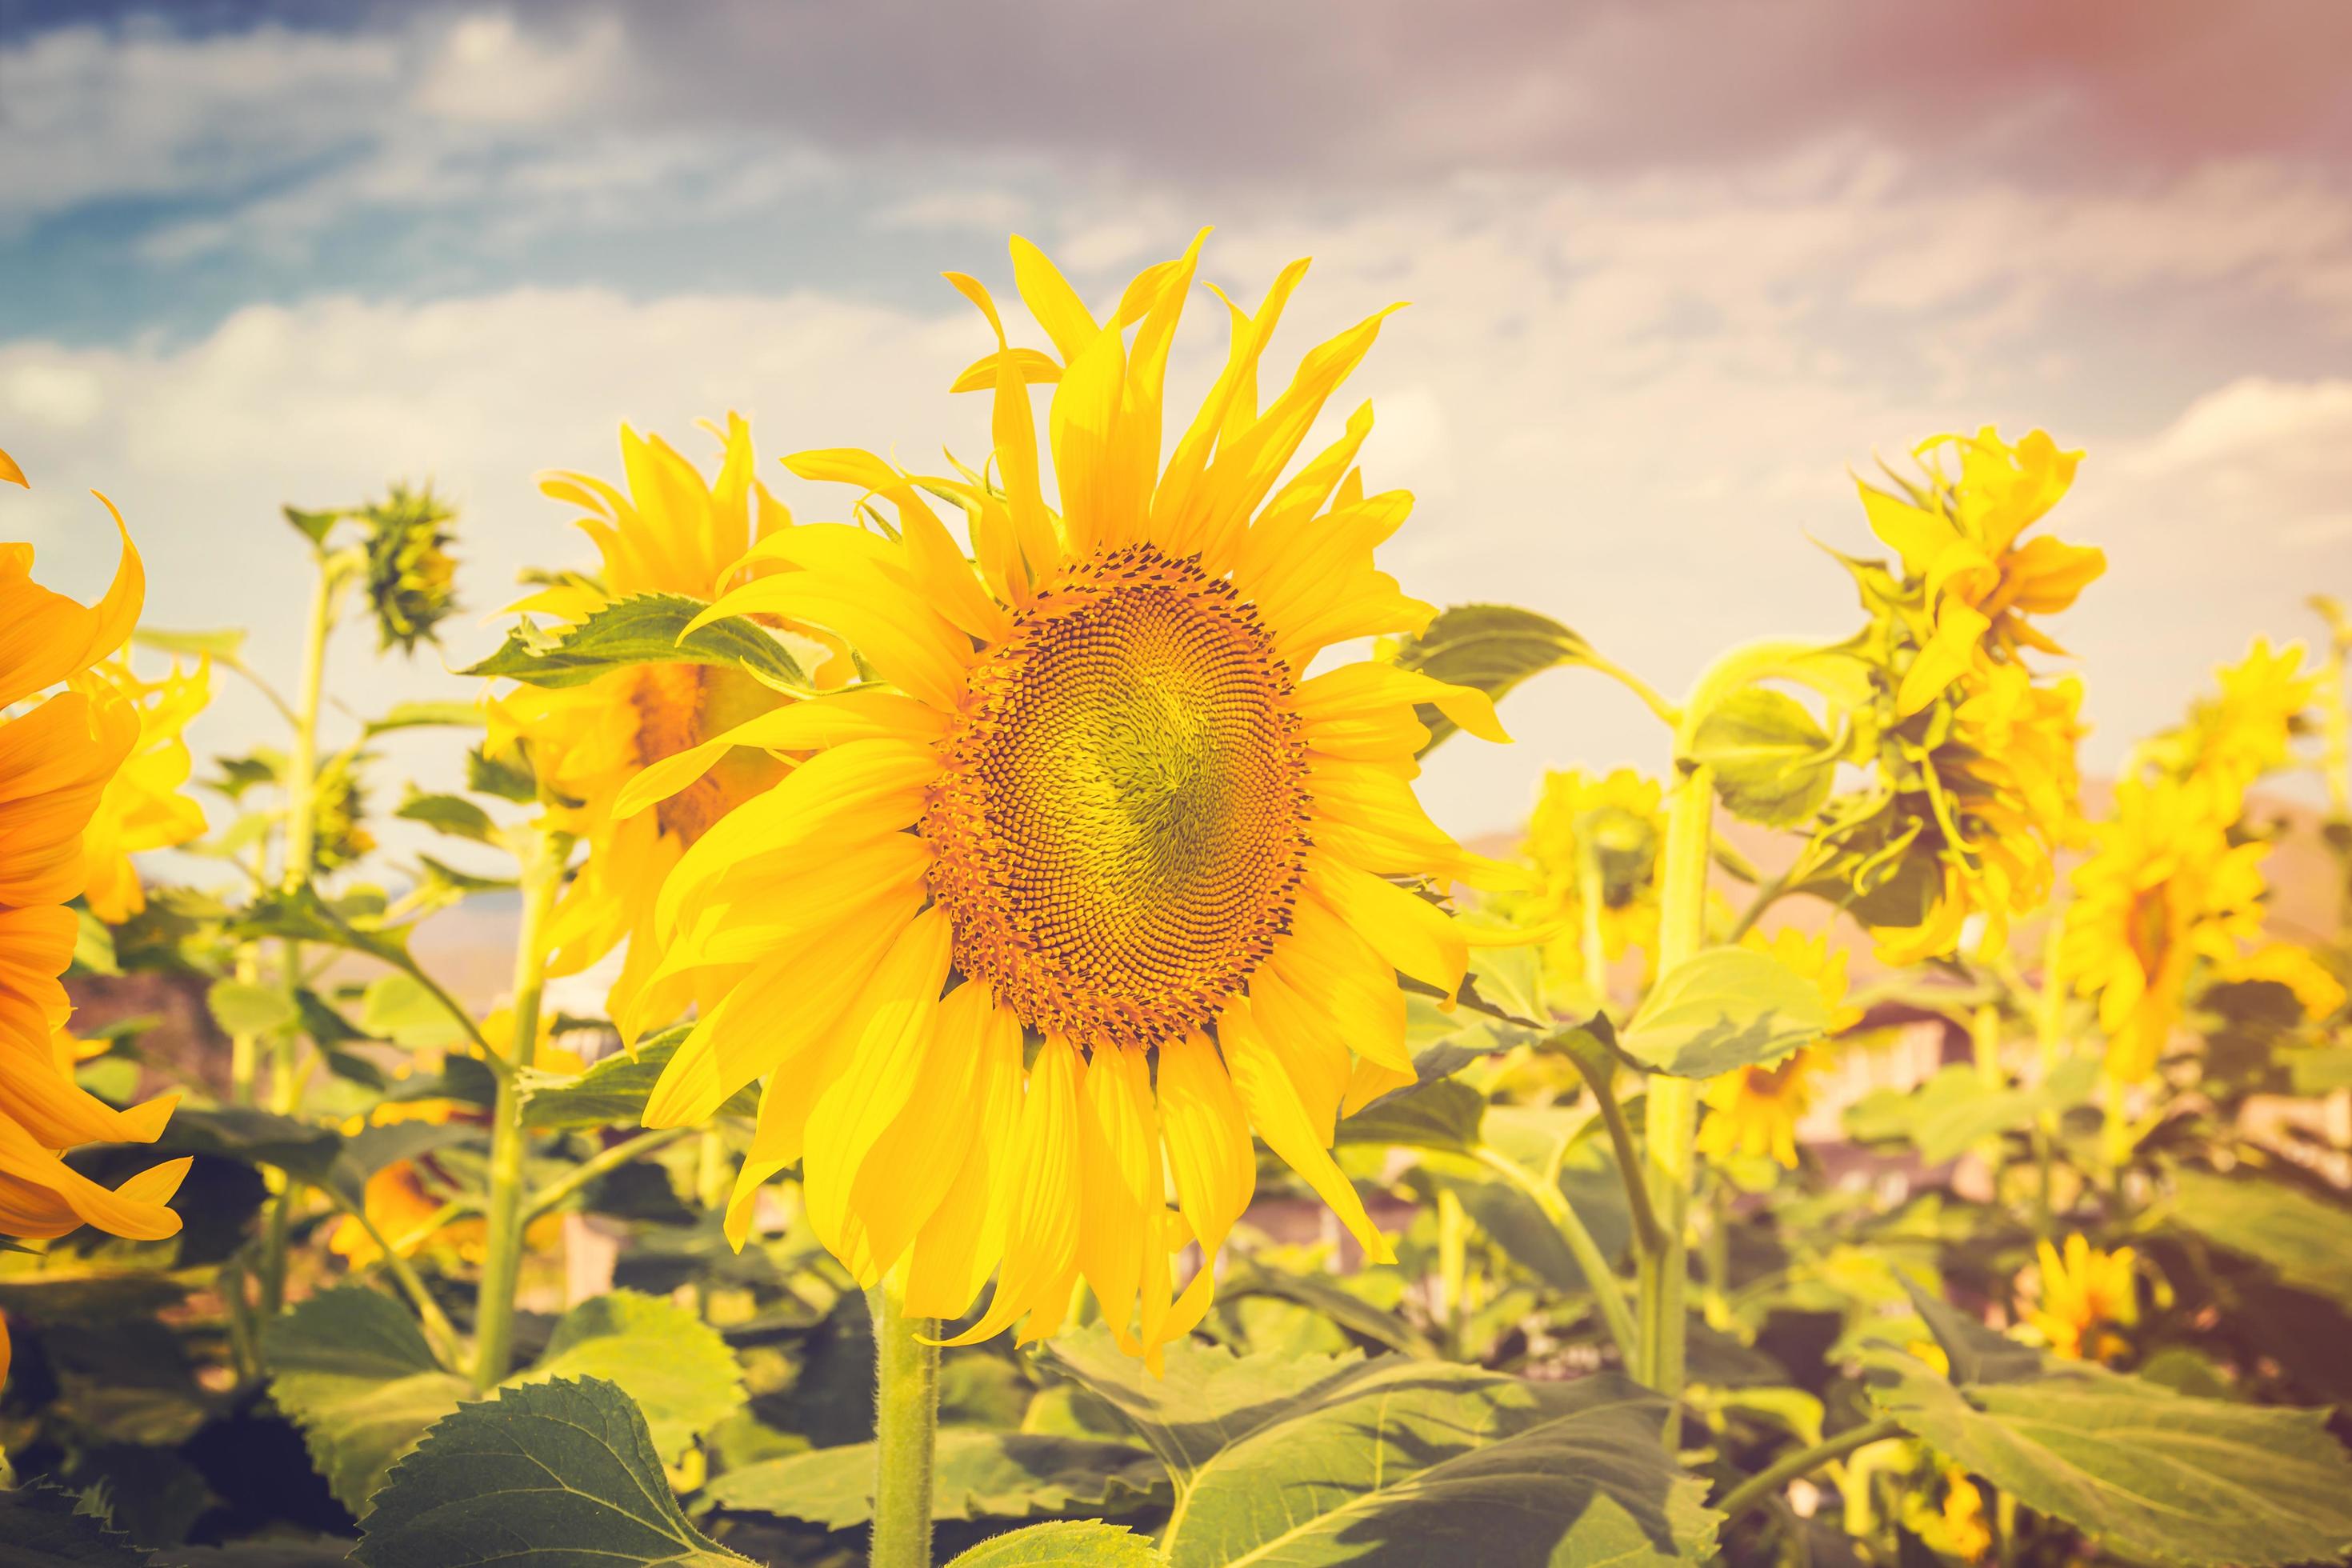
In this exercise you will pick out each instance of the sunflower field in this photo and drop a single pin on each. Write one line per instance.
(994, 1065)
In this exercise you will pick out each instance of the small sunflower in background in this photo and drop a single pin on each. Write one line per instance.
(2235, 737)
(1597, 840)
(1102, 807)
(412, 578)
(142, 807)
(1752, 1114)
(2080, 1298)
(671, 533)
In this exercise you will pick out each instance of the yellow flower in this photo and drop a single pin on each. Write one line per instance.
(56, 758)
(1958, 537)
(2233, 739)
(1104, 799)
(142, 807)
(1618, 819)
(1966, 1528)
(2080, 1298)
(2165, 888)
(1754, 1113)
(672, 533)
(2317, 991)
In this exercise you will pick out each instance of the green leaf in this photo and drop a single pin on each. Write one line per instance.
(1726, 1007)
(373, 1148)
(451, 813)
(313, 526)
(676, 1367)
(253, 1137)
(427, 715)
(227, 643)
(643, 630)
(45, 1527)
(1956, 1109)
(2305, 1240)
(2145, 1473)
(1976, 1353)
(1773, 763)
(397, 1007)
(1326, 1294)
(352, 1369)
(242, 1008)
(304, 916)
(1445, 1115)
(612, 1092)
(1491, 647)
(504, 777)
(978, 1474)
(1312, 1460)
(1065, 1544)
(94, 945)
(554, 1475)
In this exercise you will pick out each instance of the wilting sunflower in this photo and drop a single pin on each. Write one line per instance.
(55, 760)
(1597, 837)
(1958, 536)
(1753, 1113)
(142, 807)
(2165, 888)
(2081, 1298)
(1105, 810)
(672, 532)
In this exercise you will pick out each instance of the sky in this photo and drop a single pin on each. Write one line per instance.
(1675, 272)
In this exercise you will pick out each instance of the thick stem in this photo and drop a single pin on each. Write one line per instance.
(1607, 1293)
(494, 1313)
(1672, 1111)
(906, 1428)
(1767, 1483)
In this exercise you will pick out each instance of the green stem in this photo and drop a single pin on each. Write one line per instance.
(1672, 1109)
(906, 1428)
(601, 1163)
(1767, 1482)
(1607, 1293)
(1647, 1235)
(1667, 713)
(543, 876)
(1453, 1269)
(439, 1333)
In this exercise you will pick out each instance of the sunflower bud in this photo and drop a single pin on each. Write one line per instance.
(339, 807)
(411, 576)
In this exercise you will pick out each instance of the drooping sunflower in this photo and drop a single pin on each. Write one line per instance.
(2080, 1298)
(1103, 809)
(671, 533)
(2165, 888)
(1958, 536)
(142, 807)
(55, 760)
(1753, 1113)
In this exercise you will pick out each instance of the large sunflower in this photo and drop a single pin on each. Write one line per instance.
(1040, 936)
(671, 533)
(56, 758)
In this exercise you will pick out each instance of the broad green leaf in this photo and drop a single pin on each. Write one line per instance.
(1773, 763)
(352, 1369)
(1446, 1114)
(373, 1148)
(240, 1008)
(1491, 647)
(1326, 1294)
(2145, 1473)
(1064, 1543)
(2306, 1241)
(978, 1474)
(1726, 1008)
(1304, 1461)
(397, 1007)
(427, 715)
(553, 1475)
(1975, 1352)
(612, 1092)
(451, 813)
(227, 643)
(643, 630)
(44, 1527)
(681, 1374)
(94, 945)
(503, 776)
(239, 1133)
(1956, 1111)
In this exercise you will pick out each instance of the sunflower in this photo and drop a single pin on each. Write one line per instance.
(142, 807)
(1958, 536)
(1616, 821)
(674, 533)
(2233, 739)
(1104, 884)
(2316, 989)
(1754, 1113)
(2080, 1298)
(56, 758)
(2165, 888)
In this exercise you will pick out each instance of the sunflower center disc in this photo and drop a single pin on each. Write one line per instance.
(1123, 821)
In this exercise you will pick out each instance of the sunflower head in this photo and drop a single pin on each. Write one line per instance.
(411, 576)
(1752, 1114)
(1597, 840)
(338, 807)
(2243, 731)
(2080, 1299)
